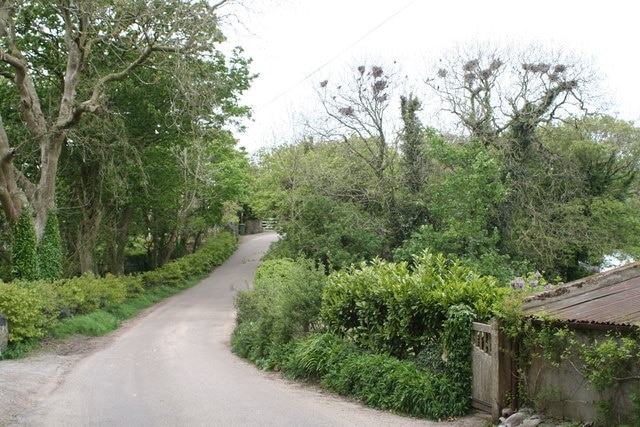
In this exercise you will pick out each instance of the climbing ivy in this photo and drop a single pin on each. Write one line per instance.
(24, 256)
(605, 362)
(50, 249)
(458, 348)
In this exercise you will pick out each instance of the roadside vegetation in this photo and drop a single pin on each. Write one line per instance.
(118, 161)
(394, 335)
(418, 230)
(94, 306)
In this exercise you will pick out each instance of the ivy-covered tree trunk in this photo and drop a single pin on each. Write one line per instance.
(24, 256)
(458, 347)
(50, 249)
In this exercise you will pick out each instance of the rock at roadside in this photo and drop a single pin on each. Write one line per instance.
(4, 333)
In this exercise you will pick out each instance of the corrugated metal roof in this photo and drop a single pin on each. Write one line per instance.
(609, 298)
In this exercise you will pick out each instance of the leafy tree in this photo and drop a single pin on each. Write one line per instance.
(582, 200)
(332, 232)
(464, 193)
(325, 199)
(356, 112)
(55, 48)
(103, 176)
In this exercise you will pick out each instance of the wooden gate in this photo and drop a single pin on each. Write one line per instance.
(491, 367)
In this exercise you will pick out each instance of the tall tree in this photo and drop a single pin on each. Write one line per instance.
(581, 200)
(357, 113)
(141, 158)
(501, 96)
(43, 43)
(323, 195)
(413, 146)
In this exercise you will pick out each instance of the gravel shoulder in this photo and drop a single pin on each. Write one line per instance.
(24, 382)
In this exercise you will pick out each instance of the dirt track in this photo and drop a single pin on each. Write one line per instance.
(172, 366)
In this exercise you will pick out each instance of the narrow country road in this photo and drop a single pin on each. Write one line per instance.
(172, 366)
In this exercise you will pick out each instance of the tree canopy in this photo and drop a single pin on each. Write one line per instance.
(111, 107)
(534, 181)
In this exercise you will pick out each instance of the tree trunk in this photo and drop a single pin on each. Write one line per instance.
(118, 246)
(87, 237)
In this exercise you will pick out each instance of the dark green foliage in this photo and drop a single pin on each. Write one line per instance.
(464, 190)
(24, 256)
(50, 249)
(414, 161)
(332, 232)
(457, 346)
(211, 255)
(385, 382)
(388, 308)
(283, 304)
(317, 355)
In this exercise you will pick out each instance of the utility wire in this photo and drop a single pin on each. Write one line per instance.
(342, 52)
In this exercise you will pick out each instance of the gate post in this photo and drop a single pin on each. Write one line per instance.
(505, 385)
(497, 392)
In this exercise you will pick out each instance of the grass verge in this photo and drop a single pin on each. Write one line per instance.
(102, 321)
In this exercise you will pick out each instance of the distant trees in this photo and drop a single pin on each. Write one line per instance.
(324, 197)
(513, 104)
(528, 184)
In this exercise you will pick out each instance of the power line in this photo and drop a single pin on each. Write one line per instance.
(342, 52)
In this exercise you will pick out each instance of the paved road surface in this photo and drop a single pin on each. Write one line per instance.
(173, 367)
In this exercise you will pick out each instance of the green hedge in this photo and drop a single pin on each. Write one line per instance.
(33, 307)
(29, 307)
(283, 304)
(396, 309)
(388, 383)
(283, 323)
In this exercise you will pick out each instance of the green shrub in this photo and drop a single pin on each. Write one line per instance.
(378, 380)
(389, 308)
(283, 304)
(24, 257)
(29, 307)
(317, 355)
(34, 307)
(87, 293)
(212, 254)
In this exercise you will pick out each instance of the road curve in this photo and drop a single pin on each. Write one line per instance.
(173, 366)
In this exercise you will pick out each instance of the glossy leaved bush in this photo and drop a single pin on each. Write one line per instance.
(397, 308)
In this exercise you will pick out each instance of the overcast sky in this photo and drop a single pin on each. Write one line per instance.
(297, 43)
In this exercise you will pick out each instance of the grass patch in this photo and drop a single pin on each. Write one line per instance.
(105, 320)
(93, 324)
(20, 349)
(102, 321)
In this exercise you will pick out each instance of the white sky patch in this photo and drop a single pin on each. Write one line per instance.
(295, 44)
